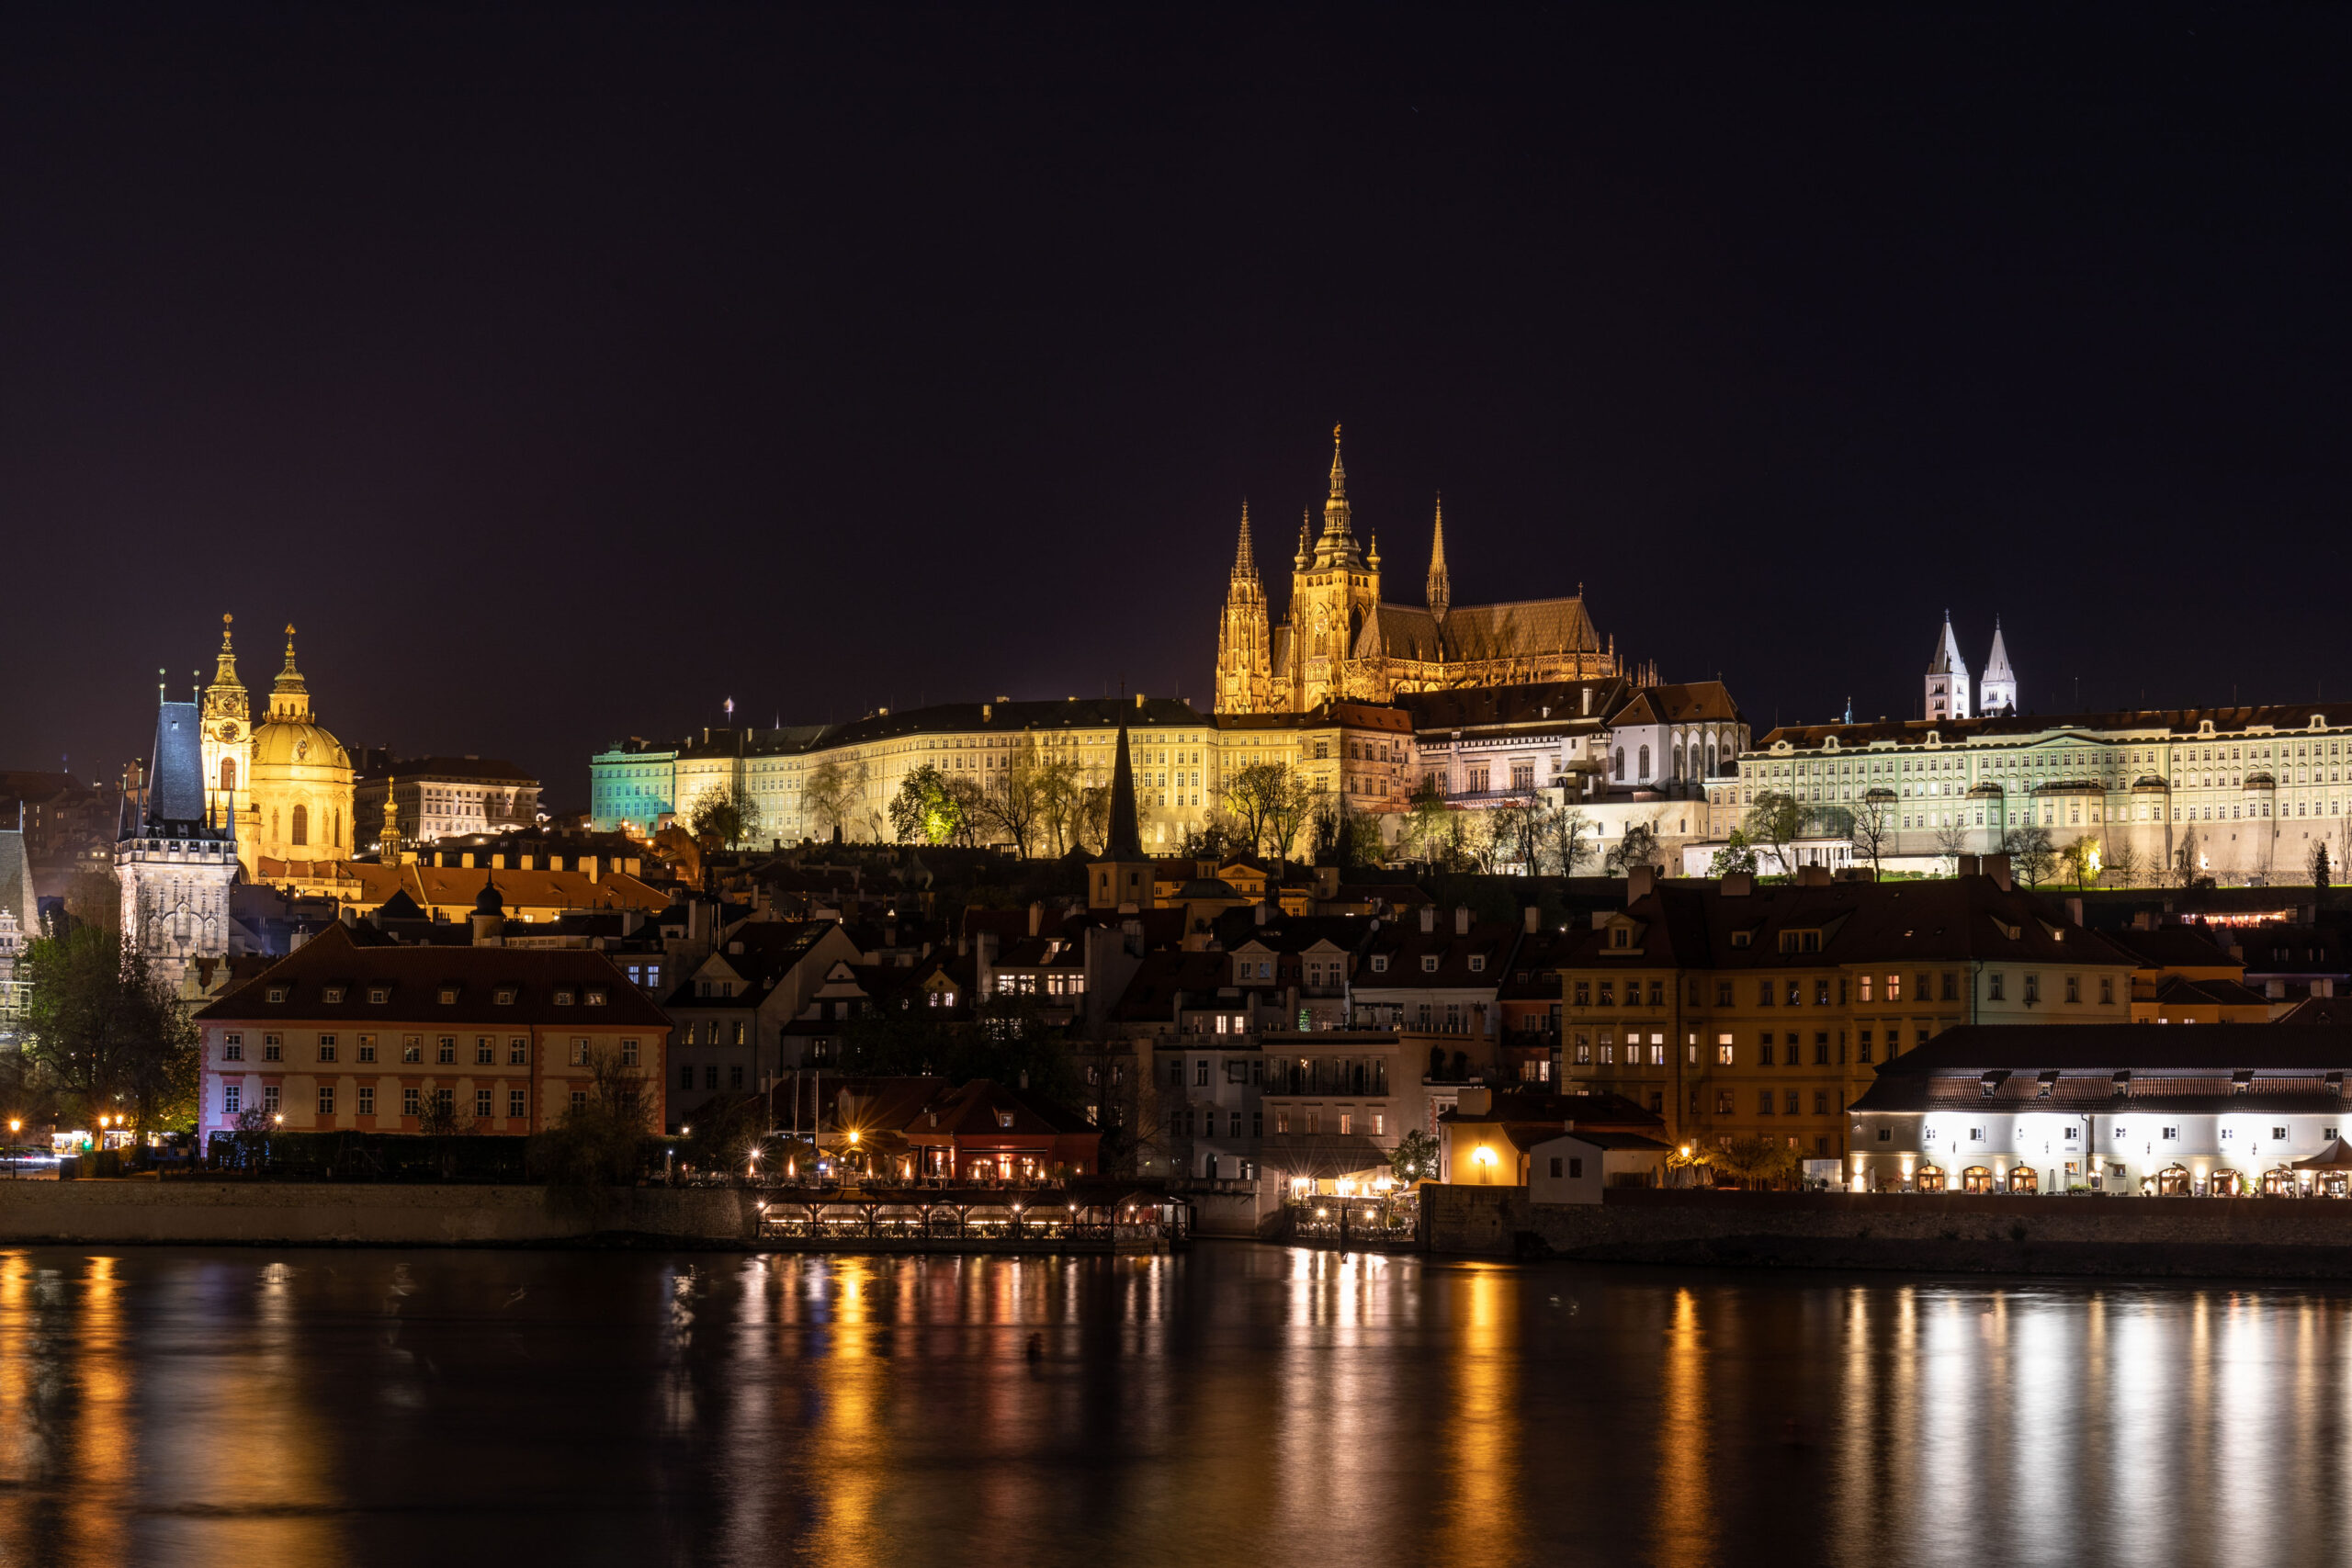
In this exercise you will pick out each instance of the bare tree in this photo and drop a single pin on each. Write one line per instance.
(828, 795)
(1301, 799)
(2030, 854)
(1638, 847)
(1562, 831)
(1059, 787)
(1951, 840)
(1015, 800)
(2124, 862)
(2186, 863)
(1873, 828)
(1251, 795)
(2081, 859)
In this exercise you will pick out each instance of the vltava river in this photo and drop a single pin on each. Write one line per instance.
(1239, 1405)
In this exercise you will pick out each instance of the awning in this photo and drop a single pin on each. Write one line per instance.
(1324, 1155)
(2337, 1156)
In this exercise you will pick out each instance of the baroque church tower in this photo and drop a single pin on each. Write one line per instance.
(1245, 681)
(227, 736)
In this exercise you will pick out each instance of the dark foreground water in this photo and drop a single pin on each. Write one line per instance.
(1239, 1405)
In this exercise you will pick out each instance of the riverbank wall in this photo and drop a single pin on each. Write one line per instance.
(2213, 1238)
(309, 1214)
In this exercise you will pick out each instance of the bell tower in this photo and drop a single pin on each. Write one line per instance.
(1335, 590)
(1244, 656)
(228, 735)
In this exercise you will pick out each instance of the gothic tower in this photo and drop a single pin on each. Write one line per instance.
(1334, 591)
(1947, 682)
(1441, 587)
(175, 863)
(1243, 655)
(1998, 691)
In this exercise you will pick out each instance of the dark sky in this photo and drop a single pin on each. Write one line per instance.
(563, 376)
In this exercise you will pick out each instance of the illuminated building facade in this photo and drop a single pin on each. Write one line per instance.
(2131, 1110)
(1736, 1008)
(2247, 791)
(1338, 642)
(401, 1039)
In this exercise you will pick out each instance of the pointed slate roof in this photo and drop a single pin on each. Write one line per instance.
(1947, 656)
(1124, 839)
(175, 803)
(1996, 663)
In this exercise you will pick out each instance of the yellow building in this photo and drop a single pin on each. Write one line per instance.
(288, 781)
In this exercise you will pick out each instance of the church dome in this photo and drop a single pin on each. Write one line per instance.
(293, 745)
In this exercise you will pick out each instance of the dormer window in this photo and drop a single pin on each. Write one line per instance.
(1004, 1120)
(505, 995)
(563, 999)
(379, 995)
(278, 993)
(1621, 937)
(448, 995)
(1380, 964)
(1739, 939)
(1477, 963)
(596, 998)
(1428, 963)
(332, 994)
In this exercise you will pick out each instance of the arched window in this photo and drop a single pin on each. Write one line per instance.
(1710, 760)
(228, 773)
(1620, 764)
(1643, 775)
(1678, 764)
(302, 826)
(337, 840)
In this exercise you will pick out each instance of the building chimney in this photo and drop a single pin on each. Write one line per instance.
(2074, 909)
(1475, 1099)
(1428, 919)
(1640, 880)
(1260, 912)
(1997, 868)
(1527, 918)
(1037, 918)
(1139, 702)
(1739, 884)
(1462, 920)
(1969, 865)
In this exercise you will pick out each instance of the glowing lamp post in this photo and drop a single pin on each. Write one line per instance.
(1483, 1158)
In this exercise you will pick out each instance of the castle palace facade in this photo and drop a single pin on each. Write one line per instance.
(1340, 641)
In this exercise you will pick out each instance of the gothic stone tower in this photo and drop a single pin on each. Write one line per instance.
(1997, 690)
(1243, 655)
(1947, 681)
(1335, 589)
(173, 859)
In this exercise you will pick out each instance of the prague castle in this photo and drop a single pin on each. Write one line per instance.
(1340, 641)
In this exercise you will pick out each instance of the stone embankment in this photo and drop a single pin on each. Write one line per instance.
(373, 1214)
(2218, 1238)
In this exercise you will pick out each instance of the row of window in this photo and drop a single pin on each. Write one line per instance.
(1864, 989)
(444, 1049)
(518, 1102)
(503, 996)
(1787, 1050)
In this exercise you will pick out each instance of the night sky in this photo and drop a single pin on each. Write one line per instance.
(562, 377)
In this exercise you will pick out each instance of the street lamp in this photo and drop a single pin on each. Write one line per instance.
(1483, 1158)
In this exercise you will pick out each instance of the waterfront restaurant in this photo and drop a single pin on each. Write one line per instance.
(2223, 1109)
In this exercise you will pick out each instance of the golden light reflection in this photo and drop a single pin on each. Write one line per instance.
(1684, 1525)
(849, 1445)
(1483, 1514)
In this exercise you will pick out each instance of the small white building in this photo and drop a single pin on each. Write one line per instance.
(2132, 1109)
(1575, 1167)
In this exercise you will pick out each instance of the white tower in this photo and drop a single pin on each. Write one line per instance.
(176, 854)
(1997, 692)
(1947, 678)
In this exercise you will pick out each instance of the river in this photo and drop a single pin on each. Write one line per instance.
(1238, 1406)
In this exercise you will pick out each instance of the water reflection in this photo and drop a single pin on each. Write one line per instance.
(1240, 1403)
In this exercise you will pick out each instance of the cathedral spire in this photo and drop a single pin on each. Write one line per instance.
(1245, 563)
(1441, 587)
(289, 698)
(1339, 470)
(1338, 546)
(1306, 548)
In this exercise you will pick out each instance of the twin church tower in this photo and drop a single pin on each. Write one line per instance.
(1996, 693)
(1339, 641)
